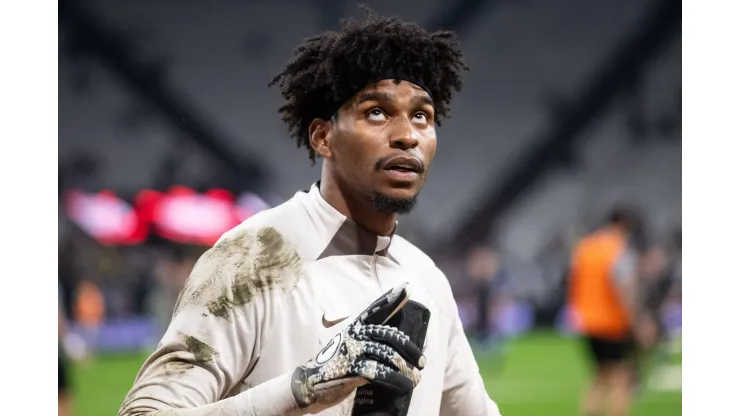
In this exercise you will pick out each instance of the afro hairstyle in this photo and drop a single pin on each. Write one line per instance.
(327, 70)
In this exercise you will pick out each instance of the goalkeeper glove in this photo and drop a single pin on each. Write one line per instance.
(367, 351)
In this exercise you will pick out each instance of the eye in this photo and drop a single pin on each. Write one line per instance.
(421, 117)
(376, 114)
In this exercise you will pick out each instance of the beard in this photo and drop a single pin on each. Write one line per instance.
(385, 204)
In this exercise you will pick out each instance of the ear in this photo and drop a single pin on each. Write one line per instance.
(319, 134)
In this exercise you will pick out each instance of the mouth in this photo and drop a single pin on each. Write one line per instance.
(403, 169)
(398, 175)
(404, 165)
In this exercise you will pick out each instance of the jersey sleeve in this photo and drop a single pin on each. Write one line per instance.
(464, 392)
(222, 314)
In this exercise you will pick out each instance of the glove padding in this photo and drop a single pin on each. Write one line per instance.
(374, 400)
(365, 352)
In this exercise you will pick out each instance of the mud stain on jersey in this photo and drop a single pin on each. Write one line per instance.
(239, 268)
(175, 369)
(180, 362)
(202, 352)
(169, 365)
(270, 262)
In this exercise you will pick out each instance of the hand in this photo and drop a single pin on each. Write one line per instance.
(367, 351)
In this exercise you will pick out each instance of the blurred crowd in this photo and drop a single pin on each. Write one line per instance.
(490, 284)
(108, 283)
(498, 295)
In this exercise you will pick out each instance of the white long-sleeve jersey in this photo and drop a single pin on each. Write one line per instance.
(261, 302)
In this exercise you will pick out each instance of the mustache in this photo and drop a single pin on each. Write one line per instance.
(383, 160)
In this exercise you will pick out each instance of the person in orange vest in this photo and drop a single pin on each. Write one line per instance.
(90, 306)
(89, 311)
(603, 299)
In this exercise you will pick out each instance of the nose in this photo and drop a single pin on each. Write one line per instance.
(404, 137)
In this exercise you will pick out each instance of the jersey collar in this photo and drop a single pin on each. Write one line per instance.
(350, 238)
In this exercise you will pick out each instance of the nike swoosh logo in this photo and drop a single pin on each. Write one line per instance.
(329, 324)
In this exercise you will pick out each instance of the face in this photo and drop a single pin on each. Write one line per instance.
(381, 144)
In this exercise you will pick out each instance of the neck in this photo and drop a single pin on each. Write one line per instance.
(355, 207)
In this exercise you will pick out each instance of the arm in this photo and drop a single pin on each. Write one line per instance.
(625, 279)
(464, 392)
(223, 313)
(213, 339)
(625, 274)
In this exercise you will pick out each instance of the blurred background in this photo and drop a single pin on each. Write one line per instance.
(168, 136)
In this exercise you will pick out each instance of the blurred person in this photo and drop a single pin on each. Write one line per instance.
(263, 324)
(68, 272)
(676, 266)
(602, 293)
(170, 274)
(115, 281)
(139, 261)
(654, 282)
(482, 268)
(89, 310)
(64, 394)
(70, 346)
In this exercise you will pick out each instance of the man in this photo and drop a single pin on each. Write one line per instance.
(655, 285)
(70, 347)
(64, 396)
(170, 275)
(656, 280)
(482, 268)
(602, 295)
(271, 319)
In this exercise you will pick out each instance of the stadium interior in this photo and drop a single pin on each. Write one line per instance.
(169, 136)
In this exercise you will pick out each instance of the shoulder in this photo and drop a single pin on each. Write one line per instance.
(289, 224)
(281, 218)
(265, 242)
(248, 263)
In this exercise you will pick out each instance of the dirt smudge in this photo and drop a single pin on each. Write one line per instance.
(175, 369)
(175, 362)
(239, 268)
(202, 352)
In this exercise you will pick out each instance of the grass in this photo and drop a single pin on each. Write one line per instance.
(542, 374)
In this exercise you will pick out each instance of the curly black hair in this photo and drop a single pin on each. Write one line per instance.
(327, 70)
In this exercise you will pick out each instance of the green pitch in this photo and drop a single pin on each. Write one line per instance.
(541, 374)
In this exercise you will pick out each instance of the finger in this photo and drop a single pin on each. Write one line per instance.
(334, 391)
(381, 374)
(384, 354)
(383, 309)
(394, 338)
